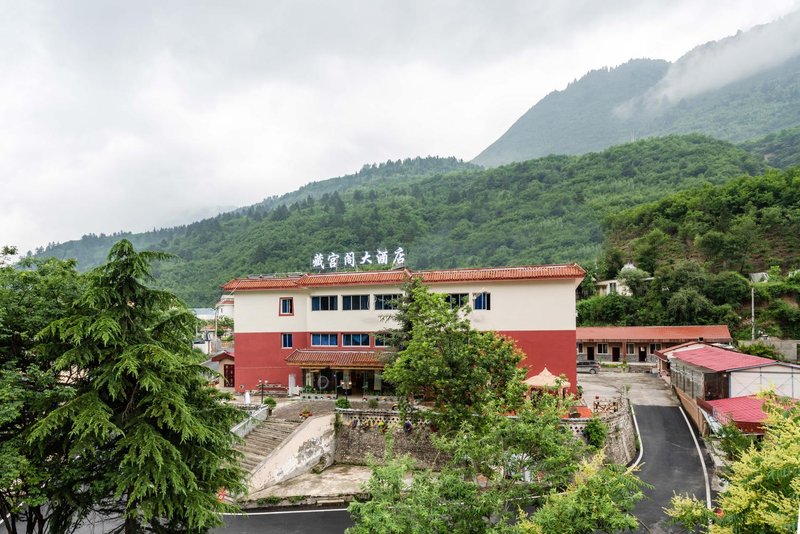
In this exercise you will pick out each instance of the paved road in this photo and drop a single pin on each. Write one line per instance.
(670, 463)
(308, 522)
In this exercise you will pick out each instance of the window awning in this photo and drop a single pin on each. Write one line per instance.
(338, 359)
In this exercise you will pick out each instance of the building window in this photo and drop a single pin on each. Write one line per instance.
(629, 348)
(286, 341)
(602, 348)
(325, 303)
(355, 302)
(483, 301)
(324, 340)
(287, 306)
(355, 340)
(612, 288)
(580, 348)
(654, 347)
(457, 300)
(386, 302)
(380, 341)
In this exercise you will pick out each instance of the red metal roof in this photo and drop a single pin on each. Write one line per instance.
(738, 409)
(339, 359)
(396, 277)
(717, 359)
(224, 355)
(711, 333)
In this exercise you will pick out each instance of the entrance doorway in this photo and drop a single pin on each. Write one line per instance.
(590, 353)
(614, 354)
(642, 354)
(227, 374)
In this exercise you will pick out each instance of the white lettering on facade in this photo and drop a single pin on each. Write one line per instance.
(334, 260)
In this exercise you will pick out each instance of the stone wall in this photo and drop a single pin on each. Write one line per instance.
(620, 444)
(362, 433)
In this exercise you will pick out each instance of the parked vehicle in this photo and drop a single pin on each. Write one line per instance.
(588, 367)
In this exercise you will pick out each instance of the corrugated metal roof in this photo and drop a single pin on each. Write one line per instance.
(395, 277)
(338, 359)
(711, 333)
(717, 359)
(738, 409)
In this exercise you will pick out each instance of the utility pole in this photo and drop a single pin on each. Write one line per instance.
(752, 313)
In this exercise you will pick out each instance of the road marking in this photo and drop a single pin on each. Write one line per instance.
(638, 435)
(702, 460)
(288, 512)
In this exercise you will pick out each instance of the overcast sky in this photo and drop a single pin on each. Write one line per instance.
(135, 115)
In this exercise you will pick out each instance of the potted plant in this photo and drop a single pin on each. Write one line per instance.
(270, 403)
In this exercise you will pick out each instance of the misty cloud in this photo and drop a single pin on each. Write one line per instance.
(714, 65)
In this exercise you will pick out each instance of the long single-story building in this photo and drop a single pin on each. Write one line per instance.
(319, 330)
(640, 343)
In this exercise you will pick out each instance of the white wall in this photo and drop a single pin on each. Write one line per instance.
(528, 305)
(783, 379)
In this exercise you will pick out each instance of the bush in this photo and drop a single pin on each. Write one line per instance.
(270, 402)
(596, 432)
(372, 403)
(342, 402)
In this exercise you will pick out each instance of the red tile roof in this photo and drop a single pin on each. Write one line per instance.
(339, 359)
(711, 333)
(398, 276)
(717, 359)
(738, 409)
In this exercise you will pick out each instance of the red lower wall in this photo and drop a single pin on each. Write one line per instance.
(259, 356)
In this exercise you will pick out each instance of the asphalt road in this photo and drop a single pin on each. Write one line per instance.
(295, 522)
(670, 462)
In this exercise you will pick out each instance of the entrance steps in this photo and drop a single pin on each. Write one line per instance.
(263, 439)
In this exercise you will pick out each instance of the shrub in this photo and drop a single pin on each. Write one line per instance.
(270, 402)
(342, 402)
(372, 403)
(596, 432)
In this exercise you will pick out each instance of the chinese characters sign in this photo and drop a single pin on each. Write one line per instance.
(333, 260)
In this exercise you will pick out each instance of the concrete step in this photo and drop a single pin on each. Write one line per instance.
(264, 439)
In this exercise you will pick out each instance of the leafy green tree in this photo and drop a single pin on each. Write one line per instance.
(43, 486)
(635, 279)
(600, 499)
(689, 306)
(157, 434)
(461, 370)
(763, 484)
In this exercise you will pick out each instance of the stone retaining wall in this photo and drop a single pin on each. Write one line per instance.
(361, 434)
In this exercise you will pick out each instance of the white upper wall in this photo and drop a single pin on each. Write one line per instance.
(518, 305)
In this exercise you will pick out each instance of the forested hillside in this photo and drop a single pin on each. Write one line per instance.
(724, 89)
(700, 244)
(539, 211)
(780, 149)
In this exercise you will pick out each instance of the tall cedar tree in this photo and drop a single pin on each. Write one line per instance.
(143, 411)
(41, 487)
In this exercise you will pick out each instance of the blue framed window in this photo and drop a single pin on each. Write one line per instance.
(286, 341)
(325, 303)
(355, 302)
(386, 302)
(380, 341)
(287, 306)
(324, 340)
(355, 340)
(482, 301)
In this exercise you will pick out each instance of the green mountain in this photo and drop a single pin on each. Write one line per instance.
(736, 89)
(444, 213)
(780, 149)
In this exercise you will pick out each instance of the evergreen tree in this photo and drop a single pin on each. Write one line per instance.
(143, 412)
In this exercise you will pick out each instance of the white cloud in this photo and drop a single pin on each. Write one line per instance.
(138, 115)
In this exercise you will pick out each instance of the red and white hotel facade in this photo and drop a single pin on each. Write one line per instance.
(293, 330)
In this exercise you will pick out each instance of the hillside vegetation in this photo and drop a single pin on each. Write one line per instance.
(539, 211)
(700, 244)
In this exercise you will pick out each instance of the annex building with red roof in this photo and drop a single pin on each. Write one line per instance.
(319, 329)
(640, 343)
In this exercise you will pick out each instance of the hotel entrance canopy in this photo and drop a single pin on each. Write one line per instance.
(338, 359)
